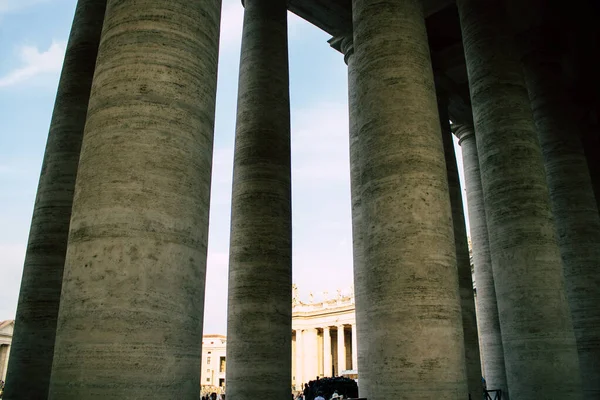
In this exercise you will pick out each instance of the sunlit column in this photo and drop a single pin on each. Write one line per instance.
(327, 359)
(354, 349)
(341, 347)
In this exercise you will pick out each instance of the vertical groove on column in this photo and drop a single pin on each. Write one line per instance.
(259, 318)
(572, 198)
(487, 316)
(537, 334)
(32, 347)
(463, 262)
(408, 302)
(130, 319)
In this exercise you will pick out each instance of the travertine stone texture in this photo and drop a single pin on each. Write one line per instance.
(487, 309)
(130, 318)
(409, 315)
(347, 47)
(572, 199)
(537, 332)
(35, 327)
(259, 318)
(463, 262)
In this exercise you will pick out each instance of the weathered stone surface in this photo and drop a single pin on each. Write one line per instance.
(35, 326)
(537, 334)
(259, 322)
(409, 307)
(572, 197)
(463, 262)
(487, 309)
(130, 319)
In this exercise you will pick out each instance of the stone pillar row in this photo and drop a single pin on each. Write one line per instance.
(306, 353)
(538, 340)
(120, 224)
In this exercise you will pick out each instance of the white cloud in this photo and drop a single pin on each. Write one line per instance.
(35, 63)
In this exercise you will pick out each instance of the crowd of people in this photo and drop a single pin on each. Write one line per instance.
(336, 388)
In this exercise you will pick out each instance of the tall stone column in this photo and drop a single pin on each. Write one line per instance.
(260, 263)
(130, 318)
(537, 334)
(299, 359)
(341, 350)
(327, 359)
(572, 197)
(354, 349)
(37, 311)
(487, 308)
(463, 260)
(407, 300)
(345, 45)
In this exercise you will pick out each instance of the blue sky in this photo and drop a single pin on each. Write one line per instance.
(33, 35)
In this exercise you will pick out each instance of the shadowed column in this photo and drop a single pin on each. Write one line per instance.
(32, 347)
(487, 315)
(463, 261)
(537, 333)
(572, 197)
(130, 319)
(259, 318)
(408, 303)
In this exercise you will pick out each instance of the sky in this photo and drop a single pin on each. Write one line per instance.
(33, 36)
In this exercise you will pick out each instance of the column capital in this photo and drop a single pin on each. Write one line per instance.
(344, 44)
(462, 131)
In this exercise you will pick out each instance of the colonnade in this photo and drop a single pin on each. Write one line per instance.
(121, 219)
(323, 352)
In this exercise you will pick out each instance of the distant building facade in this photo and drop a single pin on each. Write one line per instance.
(212, 372)
(6, 332)
(323, 338)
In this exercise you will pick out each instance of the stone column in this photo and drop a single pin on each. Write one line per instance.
(299, 359)
(260, 263)
(4, 350)
(311, 351)
(487, 308)
(572, 196)
(327, 361)
(130, 318)
(407, 300)
(354, 347)
(37, 311)
(463, 261)
(341, 350)
(345, 45)
(537, 334)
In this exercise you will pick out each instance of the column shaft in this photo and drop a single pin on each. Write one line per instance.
(572, 198)
(327, 352)
(407, 298)
(354, 352)
(260, 263)
(537, 334)
(463, 261)
(299, 359)
(487, 308)
(130, 319)
(341, 350)
(37, 311)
